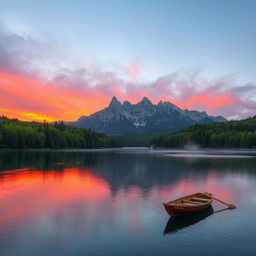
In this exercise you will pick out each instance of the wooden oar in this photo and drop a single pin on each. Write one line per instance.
(230, 206)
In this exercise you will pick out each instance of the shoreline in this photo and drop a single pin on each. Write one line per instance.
(141, 149)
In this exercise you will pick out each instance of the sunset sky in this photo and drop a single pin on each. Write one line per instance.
(60, 60)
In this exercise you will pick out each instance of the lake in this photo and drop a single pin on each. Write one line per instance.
(109, 202)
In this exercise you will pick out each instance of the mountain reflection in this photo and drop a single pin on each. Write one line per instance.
(126, 170)
(114, 183)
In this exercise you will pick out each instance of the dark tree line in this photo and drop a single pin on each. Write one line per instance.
(232, 134)
(19, 134)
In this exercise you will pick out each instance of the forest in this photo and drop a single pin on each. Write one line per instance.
(231, 134)
(24, 135)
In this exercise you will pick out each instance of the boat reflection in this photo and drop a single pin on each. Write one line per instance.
(177, 223)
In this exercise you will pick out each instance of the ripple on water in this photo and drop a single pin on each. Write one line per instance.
(195, 155)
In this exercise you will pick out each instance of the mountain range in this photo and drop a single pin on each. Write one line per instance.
(141, 118)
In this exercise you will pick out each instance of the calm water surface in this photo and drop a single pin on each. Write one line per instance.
(110, 203)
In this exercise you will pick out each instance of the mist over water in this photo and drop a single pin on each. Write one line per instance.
(110, 202)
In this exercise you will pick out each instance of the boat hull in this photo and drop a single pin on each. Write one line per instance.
(182, 210)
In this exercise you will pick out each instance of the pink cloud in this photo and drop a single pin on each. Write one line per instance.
(135, 68)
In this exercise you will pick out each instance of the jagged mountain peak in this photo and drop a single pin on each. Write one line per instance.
(168, 106)
(144, 116)
(146, 101)
(114, 103)
(127, 104)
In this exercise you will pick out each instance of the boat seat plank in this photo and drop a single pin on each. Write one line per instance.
(191, 202)
(200, 199)
(188, 204)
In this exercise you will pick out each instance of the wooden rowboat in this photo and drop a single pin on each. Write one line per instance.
(188, 204)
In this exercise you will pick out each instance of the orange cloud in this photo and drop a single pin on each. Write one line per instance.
(76, 93)
(31, 99)
(211, 101)
(208, 101)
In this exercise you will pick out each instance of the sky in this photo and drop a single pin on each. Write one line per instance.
(60, 60)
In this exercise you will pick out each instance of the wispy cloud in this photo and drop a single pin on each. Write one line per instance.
(135, 68)
(38, 82)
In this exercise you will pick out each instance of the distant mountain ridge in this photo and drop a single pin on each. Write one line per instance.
(143, 117)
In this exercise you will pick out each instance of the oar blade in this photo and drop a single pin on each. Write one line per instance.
(230, 206)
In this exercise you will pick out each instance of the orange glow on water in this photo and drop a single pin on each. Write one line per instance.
(28, 193)
(70, 182)
(31, 195)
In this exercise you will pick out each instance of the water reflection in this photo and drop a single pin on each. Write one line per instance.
(179, 222)
(30, 194)
(59, 202)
